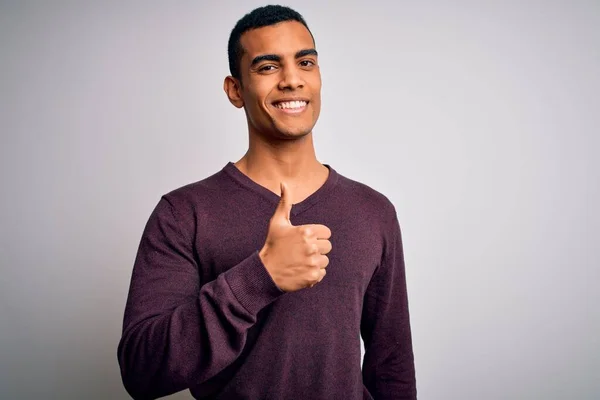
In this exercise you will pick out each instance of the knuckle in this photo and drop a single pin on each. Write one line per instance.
(314, 248)
(306, 239)
(306, 231)
(315, 274)
(323, 273)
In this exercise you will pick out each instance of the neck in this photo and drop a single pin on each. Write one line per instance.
(293, 161)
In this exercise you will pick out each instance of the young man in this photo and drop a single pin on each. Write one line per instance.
(257, 282)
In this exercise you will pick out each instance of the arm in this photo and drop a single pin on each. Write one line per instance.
(388, 365)
(177, 331)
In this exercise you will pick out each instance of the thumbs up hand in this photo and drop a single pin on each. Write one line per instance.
(294, 256)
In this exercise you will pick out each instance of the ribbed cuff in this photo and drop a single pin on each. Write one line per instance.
(252, 285)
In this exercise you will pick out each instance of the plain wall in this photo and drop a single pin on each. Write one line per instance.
(479, 120)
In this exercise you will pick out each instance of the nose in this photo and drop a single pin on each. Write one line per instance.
(291, 78)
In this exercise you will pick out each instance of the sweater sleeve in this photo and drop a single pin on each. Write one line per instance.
(388, 364)
(177, 331)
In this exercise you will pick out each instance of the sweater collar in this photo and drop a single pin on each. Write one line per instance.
(247, 183)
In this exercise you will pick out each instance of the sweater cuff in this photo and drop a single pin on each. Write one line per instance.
(252, 285)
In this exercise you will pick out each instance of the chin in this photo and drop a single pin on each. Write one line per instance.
(295, 133)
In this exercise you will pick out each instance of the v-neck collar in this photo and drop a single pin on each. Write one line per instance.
(297, 208)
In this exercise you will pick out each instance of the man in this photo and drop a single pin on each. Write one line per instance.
(257, 282)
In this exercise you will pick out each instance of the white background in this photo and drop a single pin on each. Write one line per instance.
(479, 120)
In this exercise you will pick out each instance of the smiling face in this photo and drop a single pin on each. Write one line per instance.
(280, 86)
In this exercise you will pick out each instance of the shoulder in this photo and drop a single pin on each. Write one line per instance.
(202, 196)
(365, 199)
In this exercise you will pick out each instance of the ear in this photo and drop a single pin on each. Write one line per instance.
(233, 90)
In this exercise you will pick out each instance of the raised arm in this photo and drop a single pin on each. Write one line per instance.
(178, 331)
(388, 365)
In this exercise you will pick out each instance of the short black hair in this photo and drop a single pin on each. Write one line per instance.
(257, 18)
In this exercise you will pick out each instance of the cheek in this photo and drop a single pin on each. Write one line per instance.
(259, 97)
(253, 101)
(316, 100)
(316, 89)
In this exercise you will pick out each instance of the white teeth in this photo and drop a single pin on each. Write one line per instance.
(291, 104)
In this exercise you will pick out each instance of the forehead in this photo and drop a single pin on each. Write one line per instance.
(283, 38)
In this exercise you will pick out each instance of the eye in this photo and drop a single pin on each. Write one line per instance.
(307, 63)
(267, 68)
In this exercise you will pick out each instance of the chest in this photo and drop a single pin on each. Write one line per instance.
(222, 241)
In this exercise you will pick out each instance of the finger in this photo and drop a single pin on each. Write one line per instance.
(282, 212)
(317, 277)
(323, 261)
(323, 272)
(324, 246)
(317, 230)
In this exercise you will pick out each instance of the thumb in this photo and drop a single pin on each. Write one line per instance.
(282, 213)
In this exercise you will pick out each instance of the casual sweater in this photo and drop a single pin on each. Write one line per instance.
(203, 313)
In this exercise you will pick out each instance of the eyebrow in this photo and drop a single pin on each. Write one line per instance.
(277, 58)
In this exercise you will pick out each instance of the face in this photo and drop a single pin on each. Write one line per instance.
(280, 87)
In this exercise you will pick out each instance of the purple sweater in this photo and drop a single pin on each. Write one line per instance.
(203, 312)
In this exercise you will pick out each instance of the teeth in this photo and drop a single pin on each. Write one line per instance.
(291, 104)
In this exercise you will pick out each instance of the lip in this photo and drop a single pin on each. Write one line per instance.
(290, 99)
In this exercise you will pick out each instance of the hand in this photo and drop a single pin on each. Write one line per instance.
(294, 256)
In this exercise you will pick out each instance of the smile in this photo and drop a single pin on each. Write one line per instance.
(291, 106)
